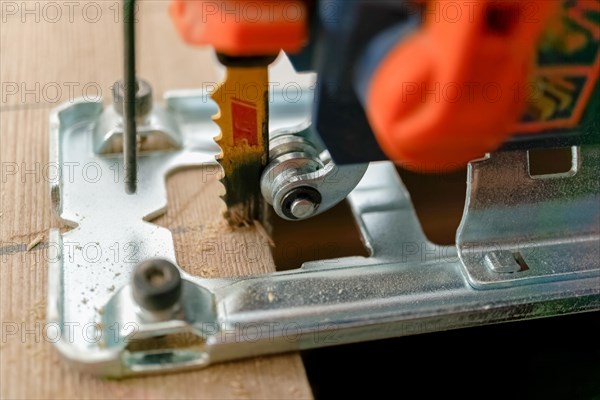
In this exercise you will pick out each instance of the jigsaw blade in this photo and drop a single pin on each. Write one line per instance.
(243, 118)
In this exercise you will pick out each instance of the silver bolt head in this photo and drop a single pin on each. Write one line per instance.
(302, 208)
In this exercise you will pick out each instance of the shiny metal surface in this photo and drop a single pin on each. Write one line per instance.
(521, 229)
(303, 208)
(406, 286)
(300, 181)
(158, 124)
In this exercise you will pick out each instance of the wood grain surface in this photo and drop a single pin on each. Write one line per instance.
(47, 58)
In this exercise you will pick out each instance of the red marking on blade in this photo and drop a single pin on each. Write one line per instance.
(244, 123)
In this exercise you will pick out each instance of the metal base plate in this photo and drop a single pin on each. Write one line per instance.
(407, 286)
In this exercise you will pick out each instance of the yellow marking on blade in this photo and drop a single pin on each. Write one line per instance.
(242, 100)
(243, 118)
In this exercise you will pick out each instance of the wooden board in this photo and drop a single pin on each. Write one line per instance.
(46, 59)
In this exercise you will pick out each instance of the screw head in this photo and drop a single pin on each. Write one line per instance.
(302, 208)
(156, 284)
(301, 202)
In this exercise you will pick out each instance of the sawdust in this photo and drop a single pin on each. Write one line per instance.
(38, 239)
(26, 208)
(237, 216)
(208, 272)
(214, 229)
(237, 220)
(262, 232)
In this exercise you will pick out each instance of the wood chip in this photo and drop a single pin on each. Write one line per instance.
(35, 242)
(260, 229)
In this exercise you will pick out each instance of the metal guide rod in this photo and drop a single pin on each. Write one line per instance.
(130, 86)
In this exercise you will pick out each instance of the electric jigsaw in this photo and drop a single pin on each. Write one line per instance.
(413, 83)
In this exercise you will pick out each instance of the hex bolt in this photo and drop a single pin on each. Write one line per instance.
(143, 98)
(156, 284)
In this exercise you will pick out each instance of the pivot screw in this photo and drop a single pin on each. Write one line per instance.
(303, 208)
(301, 202)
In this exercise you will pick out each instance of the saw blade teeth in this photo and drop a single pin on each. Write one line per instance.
(218, 120)
(242, 118)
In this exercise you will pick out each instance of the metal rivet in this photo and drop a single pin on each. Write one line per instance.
(302, 208)
(301, 202)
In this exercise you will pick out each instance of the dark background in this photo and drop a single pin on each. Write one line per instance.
(551, 358)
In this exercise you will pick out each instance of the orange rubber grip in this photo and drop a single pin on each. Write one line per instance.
(242, 27)
(444, 96)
